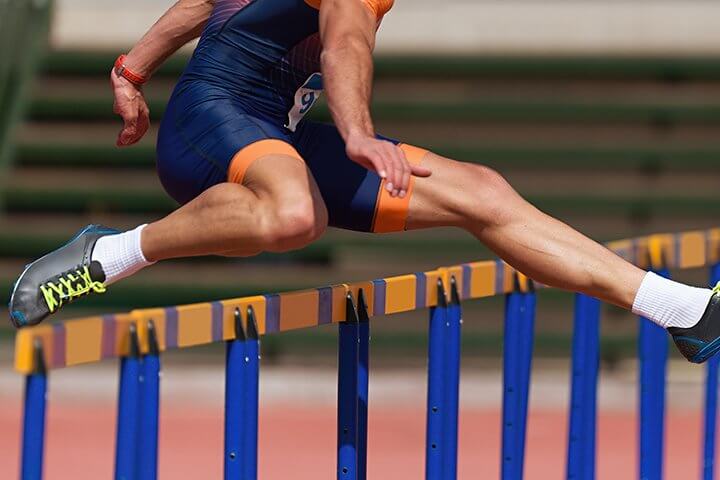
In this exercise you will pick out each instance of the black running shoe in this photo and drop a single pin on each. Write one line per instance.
(58, 278)
(702, 341)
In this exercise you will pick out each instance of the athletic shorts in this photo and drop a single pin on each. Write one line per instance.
(214, 141)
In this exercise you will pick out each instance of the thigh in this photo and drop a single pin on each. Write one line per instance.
(458, 193)
(354, 195)
(199, 140)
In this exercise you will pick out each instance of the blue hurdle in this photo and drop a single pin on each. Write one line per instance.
(353, 391)
(138, 398)
(711, 395)
(147, 441)
(242, 369)
(34, 419)
(653, 347)
(583, 393)
(517, 358)
(128, 412)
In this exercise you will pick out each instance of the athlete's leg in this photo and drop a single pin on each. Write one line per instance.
(268, 212)
(274, 206)
(479, 200)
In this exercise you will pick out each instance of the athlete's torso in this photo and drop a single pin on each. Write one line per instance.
(259, 53)
(263, 54)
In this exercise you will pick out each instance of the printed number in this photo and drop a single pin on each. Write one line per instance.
(307, 102)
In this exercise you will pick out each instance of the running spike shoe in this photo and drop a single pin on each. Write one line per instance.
(58, 278)
(702, 341)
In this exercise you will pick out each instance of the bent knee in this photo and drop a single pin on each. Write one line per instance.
(293, 225)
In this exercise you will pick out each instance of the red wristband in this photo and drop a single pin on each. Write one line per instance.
(122, 71)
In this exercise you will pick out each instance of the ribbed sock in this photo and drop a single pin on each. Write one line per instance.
(120, 255)
(669, 303)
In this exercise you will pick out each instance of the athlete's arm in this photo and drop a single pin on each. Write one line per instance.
(348, 29)
(183, 22)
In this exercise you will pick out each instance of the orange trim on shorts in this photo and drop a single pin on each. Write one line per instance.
(377, 7)
(391, 212)
(262, 148)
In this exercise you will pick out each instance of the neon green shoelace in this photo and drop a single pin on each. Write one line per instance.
(68, 287)
(717, 288)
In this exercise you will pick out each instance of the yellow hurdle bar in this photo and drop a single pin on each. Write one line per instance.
(93, 339)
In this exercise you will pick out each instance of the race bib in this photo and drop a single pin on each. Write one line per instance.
(305, 98)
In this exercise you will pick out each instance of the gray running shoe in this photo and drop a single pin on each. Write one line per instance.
(58, 278)
(702, 341)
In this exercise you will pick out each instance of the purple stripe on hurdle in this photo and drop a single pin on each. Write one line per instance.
(677, 240)
(325, 305)
(171, 327)
(217, 321)
(379, 297)
(499, 276)
(420, 290)
(466, 281)
(109, 331)
(58, 356)
(272, 313)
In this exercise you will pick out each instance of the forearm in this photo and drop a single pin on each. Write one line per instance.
(182, 23)
(347, 77)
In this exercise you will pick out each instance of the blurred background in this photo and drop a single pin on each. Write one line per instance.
(602, 113)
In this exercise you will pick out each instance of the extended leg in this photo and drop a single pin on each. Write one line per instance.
(480, 201)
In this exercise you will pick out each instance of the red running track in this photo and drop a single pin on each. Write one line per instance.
(299, 443)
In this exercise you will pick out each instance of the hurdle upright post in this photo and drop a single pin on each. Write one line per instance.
(128, 408)
(517, 355)
(363, 383)
(452, 340)
(436, 401)
(711, 396)
(583, 395)
(147, 453)
(653, 354)
(33, 439)
(527, 339)
(349, 446)
(242, 367)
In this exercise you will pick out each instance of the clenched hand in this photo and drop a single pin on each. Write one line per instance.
(131, 106)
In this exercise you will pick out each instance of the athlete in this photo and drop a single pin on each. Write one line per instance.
(253, 176)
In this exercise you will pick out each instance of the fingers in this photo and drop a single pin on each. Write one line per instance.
(129, 130)
(420, 171)
(405, 181)
(393, 184)
(388, 161)
(136, 124)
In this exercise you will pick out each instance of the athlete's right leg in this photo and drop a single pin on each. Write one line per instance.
(268, 212)
(244, 190)
(262, 211)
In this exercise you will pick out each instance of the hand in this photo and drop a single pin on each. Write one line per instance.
(131, 106)
(387, 160)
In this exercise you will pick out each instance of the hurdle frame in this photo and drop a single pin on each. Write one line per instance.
(139, 338)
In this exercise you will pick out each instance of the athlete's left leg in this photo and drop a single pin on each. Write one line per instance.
(479, 200)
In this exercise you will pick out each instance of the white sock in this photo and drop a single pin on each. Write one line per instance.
(120, 255)
(670, 304)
